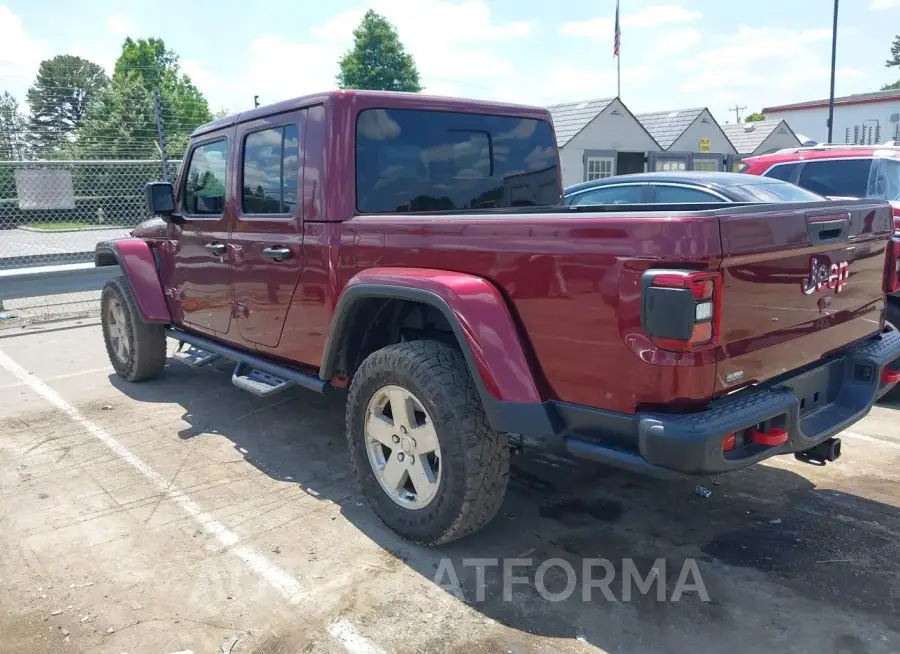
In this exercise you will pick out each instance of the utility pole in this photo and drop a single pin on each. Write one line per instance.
(737, 109)
(255, 100)
(833, 63)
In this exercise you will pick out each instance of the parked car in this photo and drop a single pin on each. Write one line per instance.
(680, 187)
(841, 172)
(417, 250)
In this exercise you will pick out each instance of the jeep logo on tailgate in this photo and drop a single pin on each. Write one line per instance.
(821, 275)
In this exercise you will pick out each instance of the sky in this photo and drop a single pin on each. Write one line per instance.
(675, 55)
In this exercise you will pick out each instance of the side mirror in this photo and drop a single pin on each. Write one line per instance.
(161, 199)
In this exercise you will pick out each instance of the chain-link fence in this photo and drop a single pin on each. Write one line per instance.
(55, 212)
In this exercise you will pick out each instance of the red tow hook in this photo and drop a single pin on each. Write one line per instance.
(775, 436)
(889, 376)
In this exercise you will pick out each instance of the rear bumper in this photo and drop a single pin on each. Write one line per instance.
(811, 405)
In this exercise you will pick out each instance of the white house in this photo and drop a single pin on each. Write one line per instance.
(599, 138)
(869, 118)
(691, 139)
(761, 137)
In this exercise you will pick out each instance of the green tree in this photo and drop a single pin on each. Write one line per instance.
(62, 91)
(893, 62)
(377, 60)
(754, 117)
(122, 122)
(12, 129)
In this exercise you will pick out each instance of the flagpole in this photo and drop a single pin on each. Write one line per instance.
(619, 73)
(617, 50)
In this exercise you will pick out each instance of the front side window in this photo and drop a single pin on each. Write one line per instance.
(204, 186)
(884, 179)
(631, 194)
(837, 177)
(270, 171)
(410, 160)
(681, 195)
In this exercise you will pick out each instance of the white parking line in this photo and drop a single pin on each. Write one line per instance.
(870, 439)
(353, 641)
(271, 573)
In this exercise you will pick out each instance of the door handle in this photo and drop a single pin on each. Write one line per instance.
(277, 253)
(217, 249)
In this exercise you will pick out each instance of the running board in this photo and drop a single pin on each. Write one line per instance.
(195, 356)
(251, 361)
(258, 382)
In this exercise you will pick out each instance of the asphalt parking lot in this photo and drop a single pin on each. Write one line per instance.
(185, 515)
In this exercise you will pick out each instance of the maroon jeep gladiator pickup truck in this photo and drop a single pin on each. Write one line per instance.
(417, 250)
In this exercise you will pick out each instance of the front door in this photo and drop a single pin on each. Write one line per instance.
(201, 283)
(267, 237)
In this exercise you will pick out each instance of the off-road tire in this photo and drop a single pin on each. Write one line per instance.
(147, 354)
(474, 458)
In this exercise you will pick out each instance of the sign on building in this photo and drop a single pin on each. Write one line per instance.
(705, 145)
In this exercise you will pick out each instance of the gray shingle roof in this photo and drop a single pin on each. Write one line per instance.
(746, 137)
(572, 117)
(667, 126)
(846, 99)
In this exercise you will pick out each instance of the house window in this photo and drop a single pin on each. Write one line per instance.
(599, 168)
(707, 165)
(670, 164)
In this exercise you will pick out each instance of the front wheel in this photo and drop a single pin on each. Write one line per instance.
(136, 349)
(427, 461)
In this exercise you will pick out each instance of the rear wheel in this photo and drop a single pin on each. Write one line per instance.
(136, 349)
(427, 460)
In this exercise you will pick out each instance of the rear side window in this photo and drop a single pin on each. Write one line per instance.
(775, 192)
(783, 172)
(408, 160)
(681, 195)
(204, 187)
(270, 171)
(847, 177)
(632, 194)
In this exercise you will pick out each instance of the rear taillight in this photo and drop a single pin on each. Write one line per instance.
(681, 309)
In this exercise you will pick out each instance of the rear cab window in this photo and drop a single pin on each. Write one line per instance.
(415, 160)
(203, 193)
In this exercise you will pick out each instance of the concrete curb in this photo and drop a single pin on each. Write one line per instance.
(91, 228)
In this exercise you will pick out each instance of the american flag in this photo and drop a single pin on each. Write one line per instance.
(618, 36)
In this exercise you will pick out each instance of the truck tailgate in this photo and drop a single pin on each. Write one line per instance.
(799, 281)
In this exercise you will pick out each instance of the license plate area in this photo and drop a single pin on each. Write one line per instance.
(818, 388)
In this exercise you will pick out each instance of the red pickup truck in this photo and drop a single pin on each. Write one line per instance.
(417, 251)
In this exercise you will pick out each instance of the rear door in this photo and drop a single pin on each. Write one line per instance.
(267, 236)
(799, 281)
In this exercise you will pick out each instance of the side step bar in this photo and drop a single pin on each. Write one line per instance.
(275, 370)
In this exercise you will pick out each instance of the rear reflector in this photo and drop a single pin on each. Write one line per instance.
(774, 436)
(728, 443)
(889, 376)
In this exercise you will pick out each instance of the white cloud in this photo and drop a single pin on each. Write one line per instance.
(20, 54)
(646, 18)
(878, 5)
(458, 57)
(673, 42)
(762, 66)
(119, 25)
